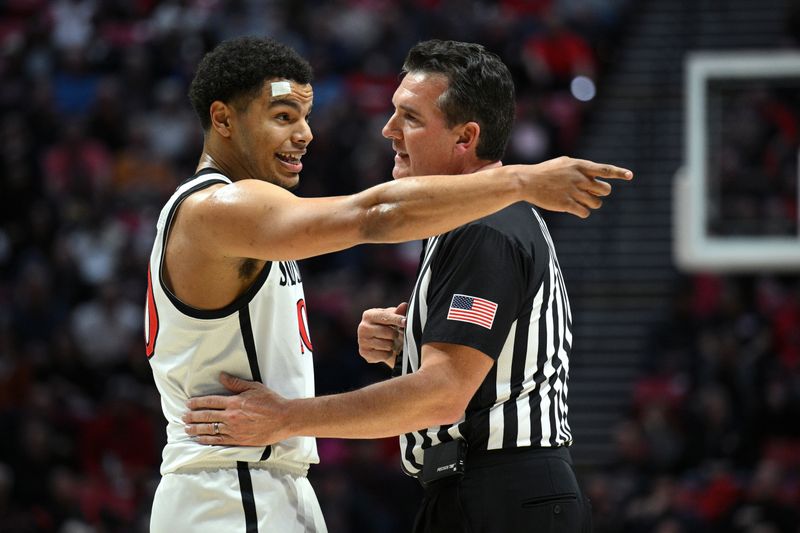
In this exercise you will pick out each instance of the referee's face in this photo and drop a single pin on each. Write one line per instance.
(422, 142)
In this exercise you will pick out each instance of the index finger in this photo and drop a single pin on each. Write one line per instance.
(207, 402)
(386, 317)
(603, 170)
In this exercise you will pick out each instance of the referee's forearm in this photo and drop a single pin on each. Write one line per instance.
(385, 409)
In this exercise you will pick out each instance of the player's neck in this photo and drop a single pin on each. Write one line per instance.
(214, 160)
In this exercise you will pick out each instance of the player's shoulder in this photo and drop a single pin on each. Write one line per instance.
(199, 182)
(192, 193)
(203, 177)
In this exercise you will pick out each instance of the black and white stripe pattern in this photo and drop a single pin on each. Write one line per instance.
(248, 497)
(528, 383)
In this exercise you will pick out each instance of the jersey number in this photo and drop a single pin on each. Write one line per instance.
(302, 324)
(150, 319)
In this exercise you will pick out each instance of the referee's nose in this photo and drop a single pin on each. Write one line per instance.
(390, 129)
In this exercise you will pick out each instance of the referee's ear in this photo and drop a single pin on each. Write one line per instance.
(468, 137)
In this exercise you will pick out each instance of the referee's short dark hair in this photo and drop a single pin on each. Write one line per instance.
(235, 71)
(480, 89)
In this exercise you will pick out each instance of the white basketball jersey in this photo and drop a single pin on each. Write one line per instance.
(262, 336)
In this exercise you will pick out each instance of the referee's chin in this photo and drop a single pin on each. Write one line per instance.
(399, 173)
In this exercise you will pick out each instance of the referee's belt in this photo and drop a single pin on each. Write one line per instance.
(451, 460)
(483, 458)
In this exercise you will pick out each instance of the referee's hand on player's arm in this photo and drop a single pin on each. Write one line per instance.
(253, 416)
(569, 185)
(380, 334)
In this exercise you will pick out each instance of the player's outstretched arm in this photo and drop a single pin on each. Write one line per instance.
(571, 185)
(255, 219)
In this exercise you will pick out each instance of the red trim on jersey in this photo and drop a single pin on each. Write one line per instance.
(151, 332)
(302, 324)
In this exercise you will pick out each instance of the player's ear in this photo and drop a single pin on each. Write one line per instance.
(469, 134)
(221, 118)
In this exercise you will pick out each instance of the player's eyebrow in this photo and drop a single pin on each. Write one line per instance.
(286, 102)
(291, 103)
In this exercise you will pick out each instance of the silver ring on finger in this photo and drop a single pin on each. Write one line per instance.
(216, 428)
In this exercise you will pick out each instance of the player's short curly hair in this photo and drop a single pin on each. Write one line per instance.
(480, 89)
(235, 71)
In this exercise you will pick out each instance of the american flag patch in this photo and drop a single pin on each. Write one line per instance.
(473, 310)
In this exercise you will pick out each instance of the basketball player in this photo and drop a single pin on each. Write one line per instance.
(225, 292)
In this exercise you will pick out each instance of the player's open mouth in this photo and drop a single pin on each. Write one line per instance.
(290, 161)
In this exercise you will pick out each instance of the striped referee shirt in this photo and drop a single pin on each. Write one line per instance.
(495, 285)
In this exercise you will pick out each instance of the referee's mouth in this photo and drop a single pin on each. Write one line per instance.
(400, 157)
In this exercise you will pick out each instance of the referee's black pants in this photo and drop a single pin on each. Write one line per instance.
(503, 491)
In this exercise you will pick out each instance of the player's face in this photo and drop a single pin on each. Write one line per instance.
(275, 132)
(423, 143)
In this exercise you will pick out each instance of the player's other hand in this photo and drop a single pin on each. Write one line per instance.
(380, 334)
(251, 417)
(569, 185)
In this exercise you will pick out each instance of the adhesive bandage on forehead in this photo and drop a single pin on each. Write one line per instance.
(280, 88)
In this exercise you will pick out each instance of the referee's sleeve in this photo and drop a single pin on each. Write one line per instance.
(478, 282)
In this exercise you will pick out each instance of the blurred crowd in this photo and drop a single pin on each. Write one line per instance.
(712, 439)
(754, 180)
(96, 132)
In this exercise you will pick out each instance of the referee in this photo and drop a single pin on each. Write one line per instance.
(491, 296)
(488, 334)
